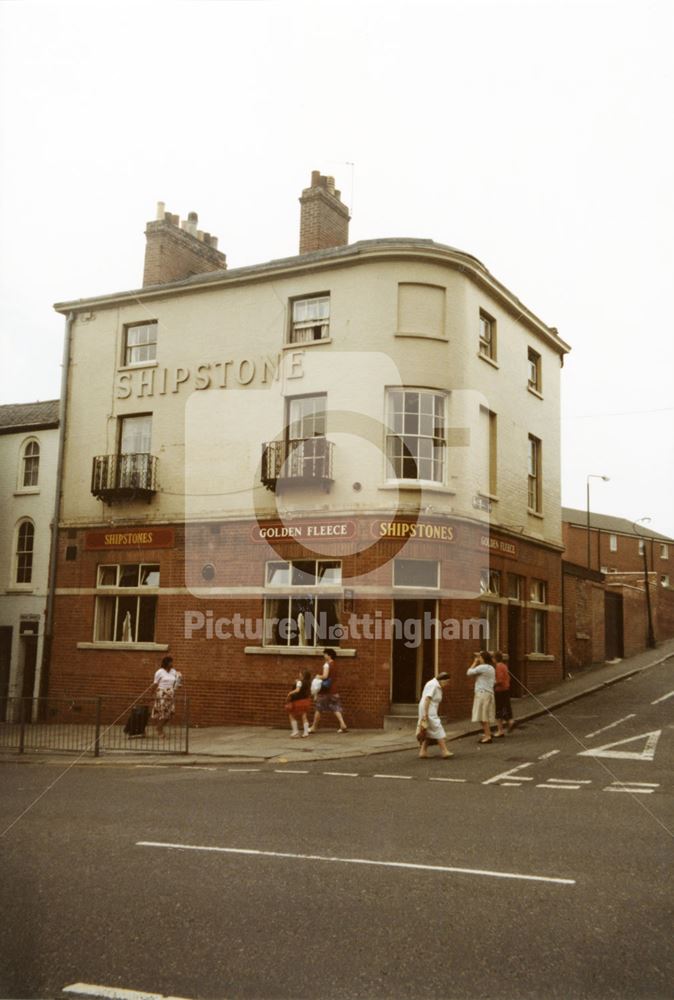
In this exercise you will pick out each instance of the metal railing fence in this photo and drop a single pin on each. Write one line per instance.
(98, 725)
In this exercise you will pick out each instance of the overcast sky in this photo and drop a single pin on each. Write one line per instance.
(537, 136)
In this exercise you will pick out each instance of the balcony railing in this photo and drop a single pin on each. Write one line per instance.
(307, 461)
(118, 477)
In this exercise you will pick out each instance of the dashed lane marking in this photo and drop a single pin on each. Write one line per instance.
(288, 770)
(610, 726)
(445, 869)
(670, 694)
(114, 992)
(560, 788)
(570, 781)
(196, 767)
(458, 780)
(399, 777)
(244, 770)
(550, 753)
(342, 774)
(636, 787)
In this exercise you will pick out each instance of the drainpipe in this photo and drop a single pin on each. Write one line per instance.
(53, 554)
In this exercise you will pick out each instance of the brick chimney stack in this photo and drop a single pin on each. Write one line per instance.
(324, 220)
(175, 250)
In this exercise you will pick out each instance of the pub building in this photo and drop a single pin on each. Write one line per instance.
(354, 447)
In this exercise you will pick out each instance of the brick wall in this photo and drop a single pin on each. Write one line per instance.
(172, 254)
(584, 642)
(324, 219)
(227, 685)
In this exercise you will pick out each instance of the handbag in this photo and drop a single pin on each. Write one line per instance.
(316, 685)
(325, 683)
(421, 734)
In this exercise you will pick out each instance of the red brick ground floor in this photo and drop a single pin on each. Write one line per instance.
(243, 607)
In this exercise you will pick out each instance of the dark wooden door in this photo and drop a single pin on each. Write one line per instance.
(613, 625)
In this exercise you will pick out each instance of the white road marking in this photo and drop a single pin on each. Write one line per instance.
(288, 770)
(461, 780)
(358, 861)
(400, 777)
(146, 766)
(560, 788)
(670, 694)
(570, 781)
(342, 774)
(648, 752)
(550, 753)
(637, 784)
(634, 791)
(509, 774)
(196, 767)
(114, 992)
(604, 728)
(247, 770)
(510, 784)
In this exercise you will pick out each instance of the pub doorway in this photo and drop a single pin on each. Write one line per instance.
(413, 650)
(516, 666)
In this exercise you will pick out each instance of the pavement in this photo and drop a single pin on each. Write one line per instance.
(215, 745)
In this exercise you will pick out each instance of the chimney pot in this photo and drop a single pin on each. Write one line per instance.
(177, 250)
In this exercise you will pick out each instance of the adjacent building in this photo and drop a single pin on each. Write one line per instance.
(28, 456)
(608, 612)
(357, 446)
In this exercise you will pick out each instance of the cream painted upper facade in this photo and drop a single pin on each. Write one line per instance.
(402, 313)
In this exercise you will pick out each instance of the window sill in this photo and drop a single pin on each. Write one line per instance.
(534, 513)
(309, 343)
(534, 392)
(27, 491)
(407, 484)
(539, 657)
(489, 361)
(137, 365)
(127, 647)
(422, 336)
(294, 651)
(21, 588)
(489, 496)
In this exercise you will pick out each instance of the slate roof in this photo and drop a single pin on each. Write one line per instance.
(606, 522)
(29, 416)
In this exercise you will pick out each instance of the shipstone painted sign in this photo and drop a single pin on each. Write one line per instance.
(130, 538)
(231, 373)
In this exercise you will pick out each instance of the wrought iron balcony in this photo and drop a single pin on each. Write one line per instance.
(307, 461)
(120, 477)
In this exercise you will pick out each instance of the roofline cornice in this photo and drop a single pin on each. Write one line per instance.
(312, 263)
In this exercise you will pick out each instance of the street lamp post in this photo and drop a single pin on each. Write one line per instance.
(651, 633)
(587, 483)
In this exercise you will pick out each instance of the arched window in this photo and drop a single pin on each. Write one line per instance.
(30, 463)
(25, 545)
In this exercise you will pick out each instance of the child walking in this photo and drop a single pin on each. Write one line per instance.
(298, 704)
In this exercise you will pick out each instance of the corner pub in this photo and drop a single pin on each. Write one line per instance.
(357, 446)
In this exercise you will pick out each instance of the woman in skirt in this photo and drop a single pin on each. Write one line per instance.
(484, 709)
(429, 727)
(166, 682)
(504, 712)
(327, 699)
